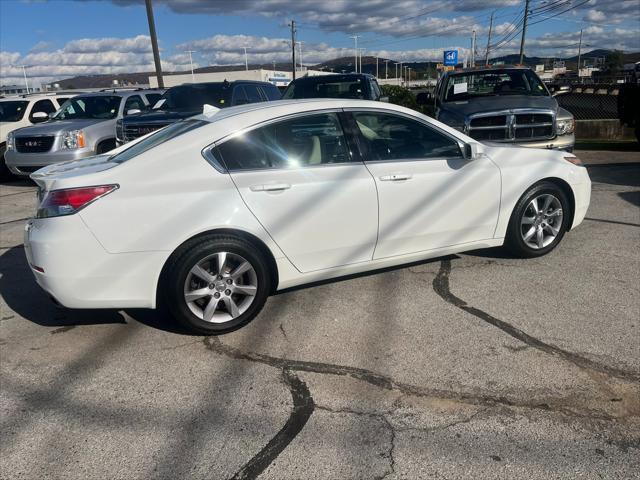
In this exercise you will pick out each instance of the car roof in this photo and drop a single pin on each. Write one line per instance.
(37, 96)
(487, 69)
(287, 107)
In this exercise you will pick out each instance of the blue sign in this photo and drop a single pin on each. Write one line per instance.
(451, 57)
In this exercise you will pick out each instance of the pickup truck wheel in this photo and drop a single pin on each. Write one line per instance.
(538, 222)
(5, 173)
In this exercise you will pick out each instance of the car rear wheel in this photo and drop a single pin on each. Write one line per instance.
(217, 284)
(538, 222)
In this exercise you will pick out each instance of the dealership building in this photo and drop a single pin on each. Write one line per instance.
(278, 78)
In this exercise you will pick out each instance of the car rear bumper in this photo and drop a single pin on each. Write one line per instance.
(27, 163)
(71, 265)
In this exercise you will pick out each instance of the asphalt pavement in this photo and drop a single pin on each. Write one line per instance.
(475, 365)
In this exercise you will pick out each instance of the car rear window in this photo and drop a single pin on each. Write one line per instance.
(326, 88)
(159, 136)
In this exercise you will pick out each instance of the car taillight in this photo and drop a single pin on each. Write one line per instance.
(69, 200)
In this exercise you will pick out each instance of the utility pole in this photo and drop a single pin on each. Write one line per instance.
(486, 56)
(355, 52)
(293, 47)
(524, 30)
(154, 43)
(386, 69)
(193, 77)
(376, 66)
(579, 53)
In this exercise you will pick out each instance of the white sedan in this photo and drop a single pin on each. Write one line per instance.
(213, 214)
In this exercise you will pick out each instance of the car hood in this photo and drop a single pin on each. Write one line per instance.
(160, 116)
(54, 127)
(500, 102)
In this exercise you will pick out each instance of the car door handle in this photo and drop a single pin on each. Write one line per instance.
(396, 177)
(270, 187)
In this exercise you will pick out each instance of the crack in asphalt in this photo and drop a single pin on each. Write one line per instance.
(16, 220)
(616, 222)
(303, 407)
(442, 288)
(387, 383)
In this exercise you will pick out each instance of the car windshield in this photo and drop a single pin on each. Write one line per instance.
(191, 98)
(486, 83)
(12, 111)
(156, 138)
(326, 88)
(100, 107)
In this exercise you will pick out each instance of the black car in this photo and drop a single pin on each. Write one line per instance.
(188, 100)
(360, 86)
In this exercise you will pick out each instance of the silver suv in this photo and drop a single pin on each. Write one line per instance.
(83, 126)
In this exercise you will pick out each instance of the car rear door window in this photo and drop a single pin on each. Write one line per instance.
(387, 137)
(308, 140)
(270, 92)
(134, 102)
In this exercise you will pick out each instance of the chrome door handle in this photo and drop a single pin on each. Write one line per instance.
(396, 177)
(270, 187)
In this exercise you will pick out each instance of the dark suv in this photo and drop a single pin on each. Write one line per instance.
(360, 86)
(188, 100)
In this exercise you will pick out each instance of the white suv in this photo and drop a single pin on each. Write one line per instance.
(23, 111)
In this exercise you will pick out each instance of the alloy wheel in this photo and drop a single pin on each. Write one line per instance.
(220, 287)
(541, 221)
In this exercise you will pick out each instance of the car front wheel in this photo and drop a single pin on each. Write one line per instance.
(538, 222)
(217, 284)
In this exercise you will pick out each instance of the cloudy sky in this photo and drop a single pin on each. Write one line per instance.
(63, 38)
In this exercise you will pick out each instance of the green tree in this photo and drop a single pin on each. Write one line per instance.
(400, 96)
(614, 61)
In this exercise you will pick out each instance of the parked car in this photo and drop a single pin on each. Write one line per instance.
(351, 85)
(506, 105)
(83, 126)
(187, 100)
(26, 110)
(270, 196)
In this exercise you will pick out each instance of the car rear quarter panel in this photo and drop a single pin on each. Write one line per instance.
(167, 196)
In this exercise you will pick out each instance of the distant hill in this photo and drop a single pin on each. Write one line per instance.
(337, 65)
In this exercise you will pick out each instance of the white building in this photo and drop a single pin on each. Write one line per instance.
(278, 78)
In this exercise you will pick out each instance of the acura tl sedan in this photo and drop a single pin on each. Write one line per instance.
(211, 215)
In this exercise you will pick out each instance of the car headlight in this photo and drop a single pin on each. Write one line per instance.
(73, 139)
(11, 141)
(565, 126)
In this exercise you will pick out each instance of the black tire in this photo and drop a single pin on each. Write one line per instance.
(191, 254)
(5, 173)
(514, 241)
(106, 146)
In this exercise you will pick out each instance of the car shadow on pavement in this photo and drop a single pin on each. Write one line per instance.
(22, 294)
(624, 175)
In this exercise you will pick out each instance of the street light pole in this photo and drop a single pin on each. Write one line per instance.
(386, 69)
(246, 59)
(376, 66)
(193, 77)
(579, 53)
(397, 73)
(355, 52)
(154, 43)
(24, 72)
(293, 47)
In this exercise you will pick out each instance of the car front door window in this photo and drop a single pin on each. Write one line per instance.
(430, 196)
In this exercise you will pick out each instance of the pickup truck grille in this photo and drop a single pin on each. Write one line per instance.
(131, 132)
(34, 144)
(512, 126)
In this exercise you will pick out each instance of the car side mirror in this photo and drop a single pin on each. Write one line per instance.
(133, 111)
(469, 151)
(424, 98)
(384, 99)
(39, 117)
